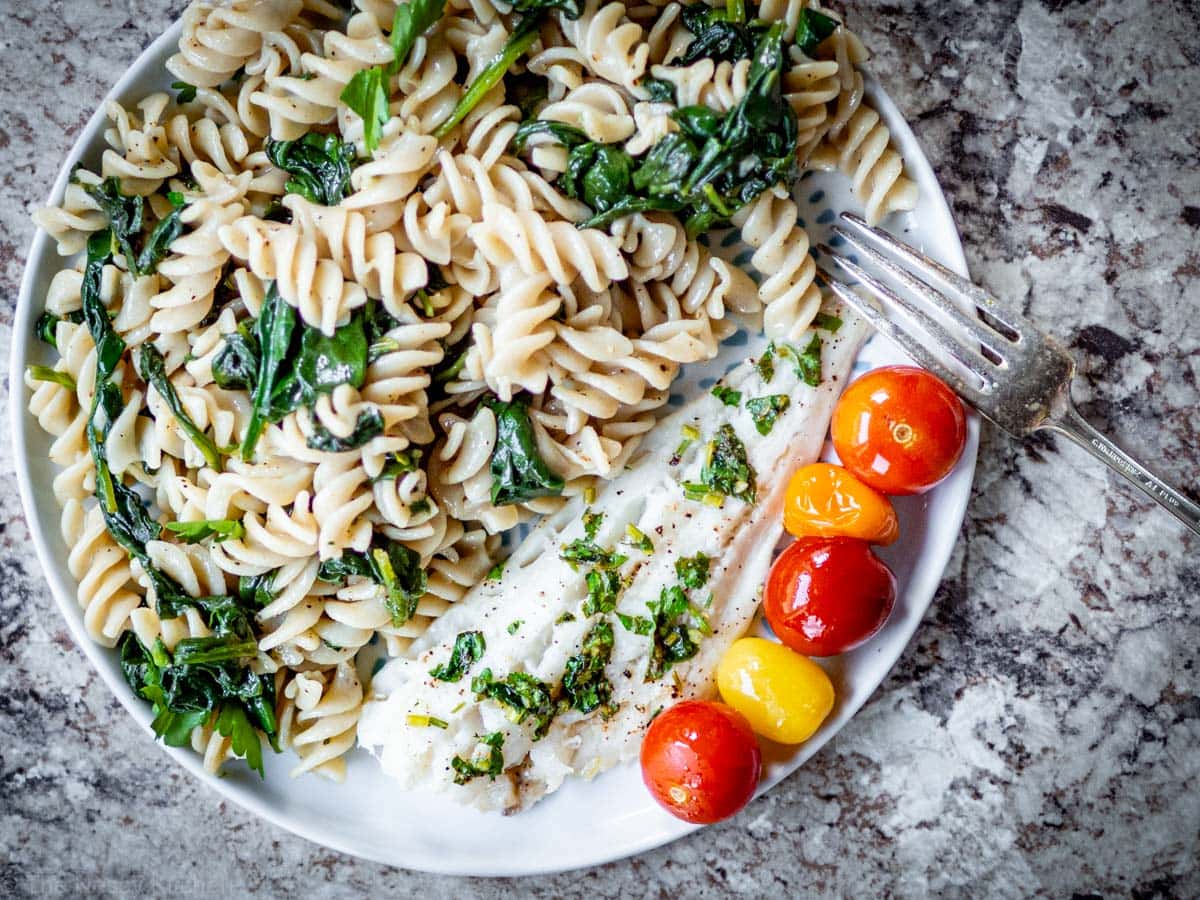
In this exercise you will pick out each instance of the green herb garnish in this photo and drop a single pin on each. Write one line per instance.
(490, 764)
(765, 410)
(585, 686)
(728, 396)
(826, 322)
(693, 570)
(726, 470)
(524, 695)
(469, 648)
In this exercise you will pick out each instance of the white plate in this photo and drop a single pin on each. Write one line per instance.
(585, 823)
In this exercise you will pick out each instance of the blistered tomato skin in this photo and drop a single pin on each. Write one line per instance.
(825, 596)
(700, 761)
(784, 696)
(899, 429)
(824, 500)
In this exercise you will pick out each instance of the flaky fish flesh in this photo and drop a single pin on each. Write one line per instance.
(532, 620)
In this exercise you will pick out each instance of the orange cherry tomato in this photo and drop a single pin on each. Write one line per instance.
(899, 429)
(700, 761)
(825, 500)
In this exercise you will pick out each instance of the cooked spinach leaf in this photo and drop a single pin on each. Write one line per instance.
(718, 35)
(388, 563)
(514, 48)
(567, 135)
(257, 590)
(153, 372)
(367, 425)
(219, 529)
(162, 235)
(660, 91)
(205, 679)
(411, 20)
(126, 218)
(273, 329)
(286, 364)
(812, 28)
(185, 93)
(518, 471)
(235, 367)
(598, 174)
(572, 9)
(365, 94)
(319, 165)
(46, 327)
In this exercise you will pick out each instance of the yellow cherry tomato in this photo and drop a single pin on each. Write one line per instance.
(825, 500)
(785, 696)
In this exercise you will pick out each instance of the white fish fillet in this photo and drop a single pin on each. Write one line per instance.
(538, 587)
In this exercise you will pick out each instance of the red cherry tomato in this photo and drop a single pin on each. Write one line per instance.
(899, 429)
(700, 761)
(825, 596)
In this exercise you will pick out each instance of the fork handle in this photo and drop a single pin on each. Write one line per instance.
(1068, 421)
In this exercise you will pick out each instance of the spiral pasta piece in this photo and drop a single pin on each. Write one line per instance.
(788, 292)
(219, 40)
(319, 713)
(863, 151)
(315, 286)
(559, 249)
(612, 46)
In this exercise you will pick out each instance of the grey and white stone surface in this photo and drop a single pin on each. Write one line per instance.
(1041, 735)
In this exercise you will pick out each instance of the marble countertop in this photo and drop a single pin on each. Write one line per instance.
(1041, 733)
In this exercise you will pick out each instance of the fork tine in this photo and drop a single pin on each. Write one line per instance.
(978, 329)
(1004, 312)
(907, 342)
(968, 357)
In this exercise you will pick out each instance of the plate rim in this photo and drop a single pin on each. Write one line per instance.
(63, 589)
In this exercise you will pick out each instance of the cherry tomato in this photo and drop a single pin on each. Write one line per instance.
(701, 761)
(825, 596)
(899, 429)
(784, 696)
(824, 500)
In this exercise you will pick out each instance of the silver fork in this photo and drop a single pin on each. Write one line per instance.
(1012, 373)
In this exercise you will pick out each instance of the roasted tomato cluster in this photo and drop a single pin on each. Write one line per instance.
(897, 430)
